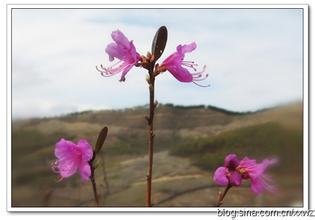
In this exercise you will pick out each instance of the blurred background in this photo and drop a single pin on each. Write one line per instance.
(254, 106)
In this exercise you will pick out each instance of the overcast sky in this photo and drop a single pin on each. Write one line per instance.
(253, 57)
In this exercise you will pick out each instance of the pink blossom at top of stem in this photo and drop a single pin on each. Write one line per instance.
(123, 50)
(253, 171)
(227, 174)
(179, 68)
(73, 157)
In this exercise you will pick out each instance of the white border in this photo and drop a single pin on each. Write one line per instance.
(162, 209)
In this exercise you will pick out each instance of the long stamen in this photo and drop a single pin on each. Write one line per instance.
(201, 85)
(112, 70)
(198, 74)
(200, 78)
(114, 64)
(190, 64)
(103, 72)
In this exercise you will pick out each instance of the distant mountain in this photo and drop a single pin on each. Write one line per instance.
(197, 136)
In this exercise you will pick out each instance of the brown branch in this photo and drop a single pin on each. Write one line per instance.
(222, 195)
(92, 178)
(148, 62)
(150, 135)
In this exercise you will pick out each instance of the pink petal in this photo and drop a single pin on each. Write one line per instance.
(257, 186)
(64, 148)
(117, 69)
(173, 59)
(253, 169)
(68, 167)
(260, 184)
(220, 176)
(114, 51)
(86, 150)
(133, 54)
(180, 73)
(231, 161)
(120, 39)
(124, 73)
(235, 178)
(247, 162)
(85, 171)
(260, 168)
(186, 48)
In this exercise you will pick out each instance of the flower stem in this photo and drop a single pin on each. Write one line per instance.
(92, 178)
(105, 175)
(222, 195)
(150, 137)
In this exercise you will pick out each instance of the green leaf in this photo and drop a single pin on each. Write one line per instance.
(159, 42)
(100, 140)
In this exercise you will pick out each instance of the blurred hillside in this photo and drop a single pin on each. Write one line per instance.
(190, 143)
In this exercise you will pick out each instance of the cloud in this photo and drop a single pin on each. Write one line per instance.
(253, 57)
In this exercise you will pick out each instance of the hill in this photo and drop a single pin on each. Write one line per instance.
(191, 141)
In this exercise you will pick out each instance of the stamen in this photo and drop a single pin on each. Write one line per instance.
(201, 85)
(100, 71)
(104, 72)
(114, 64)
(199, 73)
(200, 78)
(112, 70)
(196, 76)
(190, 64)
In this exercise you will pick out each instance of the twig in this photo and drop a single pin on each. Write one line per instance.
(222, 195)
(92, 178)
(150, 135)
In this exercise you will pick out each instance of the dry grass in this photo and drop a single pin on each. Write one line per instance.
(176, 181)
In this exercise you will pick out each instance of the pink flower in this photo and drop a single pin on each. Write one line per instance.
(234, 171)
(72, 158)
(124, 51)
(227, 175)
(253, 171)
(176, 65)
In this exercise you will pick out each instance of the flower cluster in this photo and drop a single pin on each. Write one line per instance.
(234, 171)
(72, 158)
(125, 51)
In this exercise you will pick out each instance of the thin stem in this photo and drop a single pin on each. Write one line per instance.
(105, 175)
(92, 178)
(150, 136)
(222, 195)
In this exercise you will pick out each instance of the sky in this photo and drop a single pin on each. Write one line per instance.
(253, 58)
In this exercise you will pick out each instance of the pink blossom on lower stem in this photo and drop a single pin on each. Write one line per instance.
(123, 50)
(179, 68)
(227, 174)
(255, 172)
(234, 171)
(73, 157)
